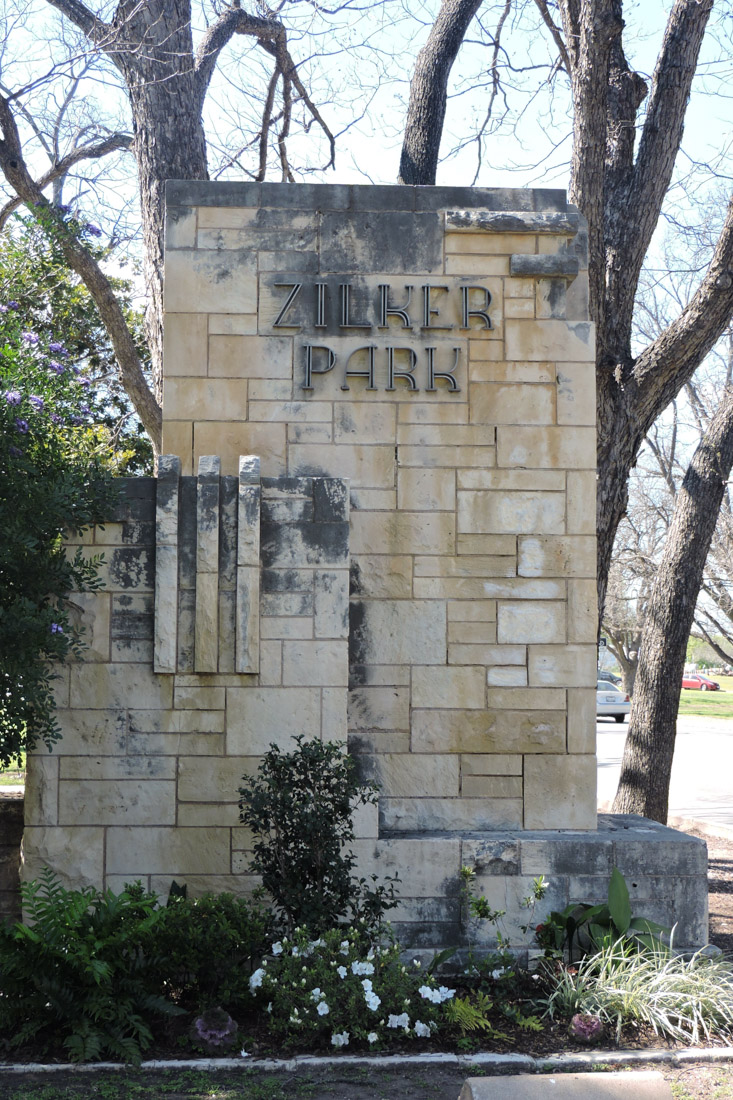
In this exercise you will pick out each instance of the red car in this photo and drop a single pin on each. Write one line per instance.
(700, 683)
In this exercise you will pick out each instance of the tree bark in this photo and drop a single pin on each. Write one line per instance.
(429, 91)
(647, 760)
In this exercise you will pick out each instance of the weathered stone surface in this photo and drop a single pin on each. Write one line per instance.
(394, 632)
(258, 716)
(560, 792)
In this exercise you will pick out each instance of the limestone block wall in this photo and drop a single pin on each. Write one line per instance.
(432, 345)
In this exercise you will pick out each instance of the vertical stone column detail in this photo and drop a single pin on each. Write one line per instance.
(206, 642)
(248, 566)
(166, 564)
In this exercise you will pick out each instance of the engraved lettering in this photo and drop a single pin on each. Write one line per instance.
(310, 365)
(386, 310)
(447, 375)
(368, 373)
(427, 309)
(467, 312)
(294, 292)
(392, 373)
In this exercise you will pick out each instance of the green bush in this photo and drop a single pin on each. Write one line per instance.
(339, 990)
(202, 948)
(299, 807)
(76, 974)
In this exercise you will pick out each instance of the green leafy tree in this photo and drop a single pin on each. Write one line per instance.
(55, 477)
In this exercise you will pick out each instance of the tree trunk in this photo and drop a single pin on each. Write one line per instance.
(647, 760)
(429, 90)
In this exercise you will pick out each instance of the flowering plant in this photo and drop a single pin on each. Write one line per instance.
(343, 990)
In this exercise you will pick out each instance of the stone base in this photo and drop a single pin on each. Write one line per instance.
(665, 870)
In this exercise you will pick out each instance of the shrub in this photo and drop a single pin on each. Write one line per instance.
(340, 990)
(202, 948)
(683, 998)
(77, 975)
(299, 807)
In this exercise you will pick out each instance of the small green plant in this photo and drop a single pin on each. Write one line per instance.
(76, 974)
(299, 807)
(682, 998)
(202, 948)
(580, 927)
(343, 990)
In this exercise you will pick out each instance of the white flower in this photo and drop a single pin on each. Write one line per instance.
(372, 1037)
(362, 967)
(403, 1020)
(255, 980)
(372, 1000)
(342, 972)
(366, 985)
(323, 1009)
(416, 963)
(344, 946)
(445, 993)
(436, 996)
(269, 1007)
(295, 952)
(277, 948)
(317, 995)
(340, 1039)
(243, 1053)
(295, 1019)
(496, 974)
(422, 1030)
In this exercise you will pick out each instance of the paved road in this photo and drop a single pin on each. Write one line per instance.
(702, 771)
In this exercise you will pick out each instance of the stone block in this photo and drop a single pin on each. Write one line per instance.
(509, 676)
(490, 764)
(207, 281)
(546, 447)
(564, 853)
(41, 799)
(247, 629)
(207, 399)
(196, 697)
(510, 481)
(361, 420)
(394, 632)
(396, 533)
(426, 867)
(117, 802)
(519, 308)
(510, 731)
(523, 622)
(232, 439)
(451, 815)
(296, 545)
(257, 717)
(94, 731)
(235, 356)
(582, 611)
(491, 786)
(562, 665)
(516, 512)
(334, 726)
(634, 1085)
(382, 576)
(381, 708)
(331, 604)
(206, 644)
(440, 687)
(530, 698)
(581, 502)
(75, 852)
(185, 339)
(474, 635)
(582, 720)
(576, 393)
(280, 627)
(232, 324)
(493, 403)
(320, 662)
(137, 851)
(428, 437)
(556, 556)
(96, 687)
(395, 241)
(365, 466)
(213, 779)
(206, 814)
(554, 340)
(180, 228)
(402, 774)
(431, 490)
(477, 611)
(90, 611)
(560, 792)
(449, 457)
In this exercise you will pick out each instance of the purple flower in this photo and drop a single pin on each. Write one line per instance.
(30, 338)
(84, 382)
(12, 397)
(21, 425)
(58, 349)
(57, 368)
(85, 410)
(36, 402)
(15, 452)
(76, 420)
(56, 628)
(3, 309)
(93, 229)
(13, 305)
(56, 419)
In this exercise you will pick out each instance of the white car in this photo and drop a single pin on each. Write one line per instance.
(611, 701)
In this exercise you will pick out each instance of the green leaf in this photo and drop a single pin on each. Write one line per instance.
(618, 902)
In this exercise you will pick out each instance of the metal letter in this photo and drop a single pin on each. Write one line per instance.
(320, 305)
(427, 310)
(310, 369)
(406, 374)
(346, 321)
(466, 312)
(386, 310)
(294, 292)
(447, 374)
(368, 373)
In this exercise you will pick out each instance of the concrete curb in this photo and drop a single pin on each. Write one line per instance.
(493, 1063)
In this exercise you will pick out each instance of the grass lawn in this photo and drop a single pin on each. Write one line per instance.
(709, 704)
(13, 776)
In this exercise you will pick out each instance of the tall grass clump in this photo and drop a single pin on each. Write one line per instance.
(681, 998)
